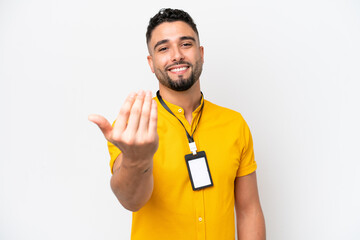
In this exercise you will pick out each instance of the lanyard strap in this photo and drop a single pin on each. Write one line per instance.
(189, 137)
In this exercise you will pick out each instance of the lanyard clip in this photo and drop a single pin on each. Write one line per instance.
(193, 148)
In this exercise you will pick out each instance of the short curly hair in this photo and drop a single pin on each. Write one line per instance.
(169, 15)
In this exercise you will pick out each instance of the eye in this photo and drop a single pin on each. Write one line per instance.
(161, 49)
(187, 44)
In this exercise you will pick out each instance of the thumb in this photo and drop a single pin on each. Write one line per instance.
(102, 123)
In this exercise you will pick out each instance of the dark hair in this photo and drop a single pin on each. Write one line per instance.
(169, 15)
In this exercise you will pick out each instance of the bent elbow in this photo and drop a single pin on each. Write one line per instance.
(131, 208)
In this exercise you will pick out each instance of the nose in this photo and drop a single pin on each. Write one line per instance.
(177, 55)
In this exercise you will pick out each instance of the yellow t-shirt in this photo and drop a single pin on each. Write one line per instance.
(175, 210)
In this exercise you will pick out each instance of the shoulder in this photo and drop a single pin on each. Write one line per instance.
(222, 113)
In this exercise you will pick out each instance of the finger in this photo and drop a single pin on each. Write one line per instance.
(135, 113)
(102, 123)
(123, 116)
(145, 112)
(153, 118)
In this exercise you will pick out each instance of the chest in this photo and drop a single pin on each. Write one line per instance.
(219, 142)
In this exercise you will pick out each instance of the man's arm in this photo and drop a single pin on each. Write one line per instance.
(135, 134)
(249, 216)
(132, 185)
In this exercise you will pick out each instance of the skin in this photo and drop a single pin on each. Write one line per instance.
(135, 134)
(249, 215)
(172, 45)
(174, 49)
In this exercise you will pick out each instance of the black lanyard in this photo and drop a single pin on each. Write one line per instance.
(189, 137)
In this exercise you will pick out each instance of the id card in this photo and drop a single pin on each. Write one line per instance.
(199, 172)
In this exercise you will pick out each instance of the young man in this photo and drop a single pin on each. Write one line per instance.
(179, 162)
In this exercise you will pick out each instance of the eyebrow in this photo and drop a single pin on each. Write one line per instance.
(187, 38)
(161, 42)
(167, 40)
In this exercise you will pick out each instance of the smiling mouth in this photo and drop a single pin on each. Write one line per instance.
(178, 69)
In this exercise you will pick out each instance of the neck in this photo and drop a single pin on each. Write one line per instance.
(189, 100)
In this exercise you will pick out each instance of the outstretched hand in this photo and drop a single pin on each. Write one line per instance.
(135, 128)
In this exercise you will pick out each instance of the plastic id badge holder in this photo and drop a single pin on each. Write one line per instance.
(199, 172)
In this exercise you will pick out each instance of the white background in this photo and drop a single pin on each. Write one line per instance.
(290, 67)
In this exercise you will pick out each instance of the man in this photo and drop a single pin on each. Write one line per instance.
(179, 162)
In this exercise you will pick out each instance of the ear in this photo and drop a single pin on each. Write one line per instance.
(201, 48)
(150, 62)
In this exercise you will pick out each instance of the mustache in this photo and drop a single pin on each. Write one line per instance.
(178, 63)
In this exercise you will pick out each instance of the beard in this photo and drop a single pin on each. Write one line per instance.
(181, 84)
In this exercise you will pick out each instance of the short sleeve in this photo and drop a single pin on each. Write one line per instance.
(114, 153)
(247, 160)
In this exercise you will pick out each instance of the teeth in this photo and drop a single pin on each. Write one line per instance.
(178, 69)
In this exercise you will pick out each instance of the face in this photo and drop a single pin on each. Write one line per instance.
(176, 56)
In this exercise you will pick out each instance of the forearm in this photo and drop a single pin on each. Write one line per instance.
(135, 133)
(251, 225)
(132, 183)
